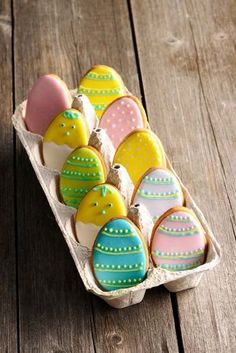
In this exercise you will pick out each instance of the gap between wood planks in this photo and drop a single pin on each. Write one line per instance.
(172, 295)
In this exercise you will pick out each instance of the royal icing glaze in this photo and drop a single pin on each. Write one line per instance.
(100, 204)
(66, 132)
(121, 117)
(140, 151)
(101, 85)
(159, 190)
(119, 255)
(178, 242)
(83, 169)
(48, 97)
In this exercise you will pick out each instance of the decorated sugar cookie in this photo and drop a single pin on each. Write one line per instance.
(101, 85)
(178, 242)
(48, 98)
(66, 132)
(140, 151)
(159, 190)
(83, 169)
(120, 255)
(102, 203)
(121, 117)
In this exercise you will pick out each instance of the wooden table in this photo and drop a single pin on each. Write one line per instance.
(179, 56)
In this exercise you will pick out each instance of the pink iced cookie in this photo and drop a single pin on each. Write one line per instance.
(48, 98)
(178, 241)
(121, 117)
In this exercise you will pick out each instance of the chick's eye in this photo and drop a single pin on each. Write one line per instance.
(95, 204)
(73, 126)
(110, 204)
(62, 125)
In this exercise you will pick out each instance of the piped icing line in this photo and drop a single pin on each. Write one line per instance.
(158, 181)
(158, 195)
(81, 176)
(100, 92)
(179, 255)
(184, 219)
(121, 283)
(73, 195)
(124, 235)
(99, 77)
(178, 232)
(180, 267)
(99, 107)
(82, 165)
(119, 268)
(74, 190)
(108, 250)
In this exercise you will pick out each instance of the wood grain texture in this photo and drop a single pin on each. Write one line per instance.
(56, 314)
(8, 300)
(178, 59)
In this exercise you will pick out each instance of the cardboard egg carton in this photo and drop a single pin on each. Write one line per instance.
(173, 281)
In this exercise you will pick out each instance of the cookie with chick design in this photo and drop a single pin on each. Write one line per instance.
(67, 131)
(102, 203)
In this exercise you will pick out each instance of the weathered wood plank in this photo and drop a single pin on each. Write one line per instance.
(8, 298)
(214, 30)
(67, 37)
(179, 113)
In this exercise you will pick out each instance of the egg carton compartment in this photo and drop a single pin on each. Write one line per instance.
(173, 281)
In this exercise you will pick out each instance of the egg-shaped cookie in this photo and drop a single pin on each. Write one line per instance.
(101, 203)
(121, 117)
(140, 151)
(120, 255)
(159, 190)
(83, 169)
(48, 97)
(178, 241)
(66, 132)
(101, 85)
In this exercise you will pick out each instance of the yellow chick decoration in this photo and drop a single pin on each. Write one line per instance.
(67, 131)
(101, 203)
(102, 85)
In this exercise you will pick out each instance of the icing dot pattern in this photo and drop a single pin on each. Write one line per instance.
(101, 85)
(138, 152)
(119, 262)
(178, 243)
(116, 119)
(159, 190)
(82, 170)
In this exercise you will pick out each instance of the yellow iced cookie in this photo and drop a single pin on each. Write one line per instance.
(83, 169)
(66, 132)
(140, 151)
(102, 85)
(101, 203)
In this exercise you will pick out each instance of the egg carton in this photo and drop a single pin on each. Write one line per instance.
(173, 281)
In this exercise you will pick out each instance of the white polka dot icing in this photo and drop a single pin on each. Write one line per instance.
(159, 190)
(121, 117)
(120, 256)
(178, 242)
(140, 151)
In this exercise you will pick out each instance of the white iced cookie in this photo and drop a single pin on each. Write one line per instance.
(159, 190)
